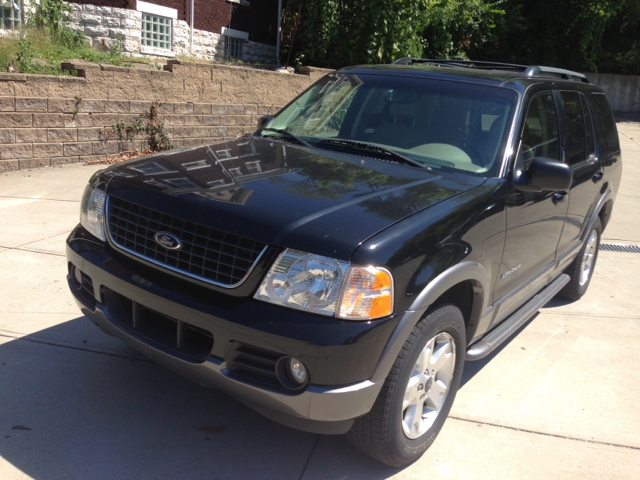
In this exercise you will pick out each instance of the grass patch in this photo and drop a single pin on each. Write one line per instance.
(232, 62)
(48, 40)
(49, 49)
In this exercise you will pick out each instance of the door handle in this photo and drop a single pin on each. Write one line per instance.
(597, 176)
(558, 197)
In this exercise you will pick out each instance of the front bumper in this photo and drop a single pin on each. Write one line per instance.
(351, 350)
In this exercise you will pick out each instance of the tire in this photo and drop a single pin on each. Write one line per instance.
(580, 278)
(389, 432)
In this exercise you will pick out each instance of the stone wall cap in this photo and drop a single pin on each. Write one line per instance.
(13, 77)
(43, 78)
(308, 70)
(107, 67)
(71, 79)
(221, 66)
(75, 64)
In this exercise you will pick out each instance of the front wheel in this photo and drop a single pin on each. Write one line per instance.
(418, 392)
(581, 270)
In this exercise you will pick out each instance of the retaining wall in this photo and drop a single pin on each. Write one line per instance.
(623, 91)
(54, 120)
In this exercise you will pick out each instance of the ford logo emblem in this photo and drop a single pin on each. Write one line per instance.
(168, 241)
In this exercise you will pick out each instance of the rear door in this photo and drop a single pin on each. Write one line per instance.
(534, 219)
(581, 154)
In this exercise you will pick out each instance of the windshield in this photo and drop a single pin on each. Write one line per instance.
(444, 125)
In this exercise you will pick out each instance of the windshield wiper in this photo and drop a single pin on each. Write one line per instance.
(289, 135)
(376, 148)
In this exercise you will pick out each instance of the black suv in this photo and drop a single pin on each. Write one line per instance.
(336, 268)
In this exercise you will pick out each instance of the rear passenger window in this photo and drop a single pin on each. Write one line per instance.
(606, 124)
(575, 122)
(540, 136)
(588, 128)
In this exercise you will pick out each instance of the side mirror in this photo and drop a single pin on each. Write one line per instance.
(544, 175)
(264, 120)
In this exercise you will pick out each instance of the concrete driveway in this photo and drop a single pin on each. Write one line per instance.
(558, 401)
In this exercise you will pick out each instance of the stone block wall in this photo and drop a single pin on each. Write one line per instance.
(55, 120)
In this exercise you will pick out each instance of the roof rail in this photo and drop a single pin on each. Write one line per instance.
(527, 71)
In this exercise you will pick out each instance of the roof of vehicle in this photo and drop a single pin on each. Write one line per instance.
(489, 73)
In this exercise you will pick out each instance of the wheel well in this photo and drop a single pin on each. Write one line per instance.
(605, 214)
(462, 295)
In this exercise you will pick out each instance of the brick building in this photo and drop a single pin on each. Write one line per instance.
(222, 29)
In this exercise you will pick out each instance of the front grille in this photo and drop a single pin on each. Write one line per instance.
(206, 254)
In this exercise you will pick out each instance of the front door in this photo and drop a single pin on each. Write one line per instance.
(580, 154)
(534, 219)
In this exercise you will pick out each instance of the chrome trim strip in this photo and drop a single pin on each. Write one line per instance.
(173, 269)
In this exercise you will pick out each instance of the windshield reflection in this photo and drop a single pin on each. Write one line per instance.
(217, 172)
(446, 125)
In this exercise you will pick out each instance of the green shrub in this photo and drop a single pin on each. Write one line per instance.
(49, 37)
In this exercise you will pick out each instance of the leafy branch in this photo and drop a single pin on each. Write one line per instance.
(147, 124)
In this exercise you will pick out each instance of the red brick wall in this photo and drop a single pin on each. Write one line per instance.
(108, 3)
(180, 5)
(259, 19)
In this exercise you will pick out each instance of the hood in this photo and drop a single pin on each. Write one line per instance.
(313, 200)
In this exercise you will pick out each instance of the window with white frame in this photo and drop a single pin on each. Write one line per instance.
(156, 31)
(254, 167)
(233, 47)
(10, 14)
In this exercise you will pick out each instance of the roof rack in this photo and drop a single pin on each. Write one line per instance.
(527, 71)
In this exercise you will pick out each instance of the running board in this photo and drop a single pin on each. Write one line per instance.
(495, 337)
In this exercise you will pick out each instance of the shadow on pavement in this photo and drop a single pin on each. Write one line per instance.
(69, 413)
(83, 411)
(472, 368)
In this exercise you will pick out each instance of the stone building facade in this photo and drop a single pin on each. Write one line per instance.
(223, 29)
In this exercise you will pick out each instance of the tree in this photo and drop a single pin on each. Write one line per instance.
(337, 33)
(583, 35)
(456, 27)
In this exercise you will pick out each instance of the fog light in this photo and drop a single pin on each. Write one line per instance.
(297, 371)
(76, 276)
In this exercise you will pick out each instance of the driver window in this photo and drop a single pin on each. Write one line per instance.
(540, 135)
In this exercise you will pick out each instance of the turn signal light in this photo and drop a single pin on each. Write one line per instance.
(368, 294)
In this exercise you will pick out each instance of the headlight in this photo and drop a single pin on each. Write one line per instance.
(327, 286)
(92, 211)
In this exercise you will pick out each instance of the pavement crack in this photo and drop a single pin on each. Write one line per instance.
(618, 317)
(47, 199)
(41, 342)
(45, 238)
(32, 251)
(39, 313)
(309, 459)
(630, 138)
(535, 432)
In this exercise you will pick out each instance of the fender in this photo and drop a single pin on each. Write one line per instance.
(465, 271)
(596, 212)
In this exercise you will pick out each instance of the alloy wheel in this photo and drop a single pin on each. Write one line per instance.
(428, 385)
